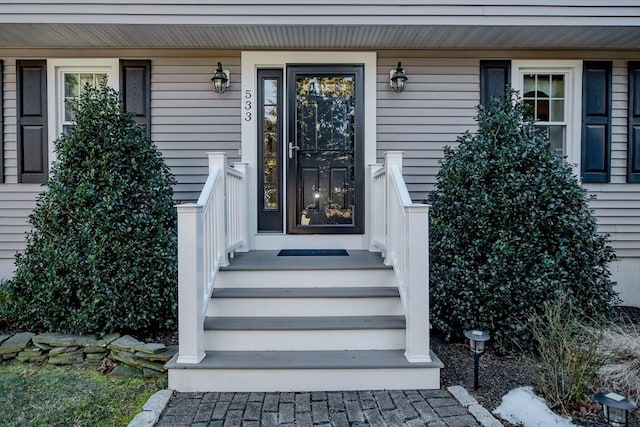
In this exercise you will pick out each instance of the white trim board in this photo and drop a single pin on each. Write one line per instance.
(251, 62)
(55, 88)
(573, 71)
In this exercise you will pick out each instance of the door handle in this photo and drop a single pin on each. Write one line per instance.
(292, 148)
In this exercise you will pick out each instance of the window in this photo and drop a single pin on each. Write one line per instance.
(552, 89)
(67, 78)
(545, 94)
(74, 84)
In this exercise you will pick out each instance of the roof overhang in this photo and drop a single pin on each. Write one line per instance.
(350, 24)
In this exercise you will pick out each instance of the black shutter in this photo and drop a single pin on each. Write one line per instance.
(495, 76)
(596, 121)
(633, 144)
(1, 123)
(135, 89)
(33, 161)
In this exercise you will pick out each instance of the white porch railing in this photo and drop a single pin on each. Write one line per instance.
(208, 231)
(400, 229)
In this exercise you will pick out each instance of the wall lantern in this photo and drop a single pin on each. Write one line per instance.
(398, 79)
(476, 344)
(220, 79)
(615, 408)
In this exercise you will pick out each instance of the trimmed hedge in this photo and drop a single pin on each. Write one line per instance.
(511, 229)
(102, 253)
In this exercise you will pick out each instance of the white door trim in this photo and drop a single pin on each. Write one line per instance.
(251, 61)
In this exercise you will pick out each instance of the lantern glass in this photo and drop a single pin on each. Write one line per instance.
(220, 79)
(398, 79)
(616, 417)
(477, 340)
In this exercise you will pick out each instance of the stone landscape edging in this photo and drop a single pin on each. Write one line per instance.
(136, 358)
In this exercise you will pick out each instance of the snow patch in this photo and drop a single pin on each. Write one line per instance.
(522, 407)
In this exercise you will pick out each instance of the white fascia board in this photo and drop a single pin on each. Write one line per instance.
(354, 12)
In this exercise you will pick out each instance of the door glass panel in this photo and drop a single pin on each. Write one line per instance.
(269, 170)
(325, 137)
(271, 144)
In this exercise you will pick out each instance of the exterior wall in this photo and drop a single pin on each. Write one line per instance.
(439, 104)
(16, 200)
(189, 119)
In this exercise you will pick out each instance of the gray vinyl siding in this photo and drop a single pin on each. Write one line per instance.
(617, 204)
(189, 119)
(438, 105)
(16, 200)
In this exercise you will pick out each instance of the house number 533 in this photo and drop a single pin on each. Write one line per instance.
(248, 104)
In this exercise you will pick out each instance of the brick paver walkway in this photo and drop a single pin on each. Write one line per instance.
(433, 408)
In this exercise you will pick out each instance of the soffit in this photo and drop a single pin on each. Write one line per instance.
(72, 35)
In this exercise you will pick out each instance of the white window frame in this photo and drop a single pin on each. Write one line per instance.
(56, 68)
(573, 98)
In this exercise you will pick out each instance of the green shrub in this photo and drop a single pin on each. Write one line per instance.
(511, 229)
(102, 253)
(568, 357)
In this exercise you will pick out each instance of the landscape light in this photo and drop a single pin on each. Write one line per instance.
(615, 408)
(477, 340)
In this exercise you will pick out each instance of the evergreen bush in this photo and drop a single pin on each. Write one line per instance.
(102, 252)
(511, 229)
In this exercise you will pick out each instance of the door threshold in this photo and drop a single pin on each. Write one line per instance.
(306, 241)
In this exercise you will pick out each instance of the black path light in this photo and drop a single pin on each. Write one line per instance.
(476, 343)
(615, 408)
(220, 79)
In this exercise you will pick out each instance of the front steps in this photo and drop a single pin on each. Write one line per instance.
(304, 324)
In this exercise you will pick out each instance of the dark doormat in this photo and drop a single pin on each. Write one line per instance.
(313, 252)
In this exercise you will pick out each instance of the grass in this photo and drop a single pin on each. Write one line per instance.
(46, 395)
(568, 358)
(622, 344)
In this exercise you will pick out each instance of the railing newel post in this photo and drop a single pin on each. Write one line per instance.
(190, 283)
(417, 277)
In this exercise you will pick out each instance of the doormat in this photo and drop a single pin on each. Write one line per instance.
(313, 252)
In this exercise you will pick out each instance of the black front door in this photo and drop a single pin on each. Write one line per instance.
(325, 149)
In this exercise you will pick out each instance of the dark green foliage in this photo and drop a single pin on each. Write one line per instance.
(102, 253)
(511, 229)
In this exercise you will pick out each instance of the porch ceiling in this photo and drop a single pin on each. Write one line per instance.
(379, 36)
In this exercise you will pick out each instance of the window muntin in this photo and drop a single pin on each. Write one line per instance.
(74, 84)
(546, 94)
(57, 68)
(561, 83)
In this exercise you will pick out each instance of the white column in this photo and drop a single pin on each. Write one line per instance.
(417, 308)
(190, 284)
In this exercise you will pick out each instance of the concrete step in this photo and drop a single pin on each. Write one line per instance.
(318, 301)
(246, 371)
(289, 333)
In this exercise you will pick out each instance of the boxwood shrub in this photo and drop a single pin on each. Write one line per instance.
(102, 252)
(511, 229)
